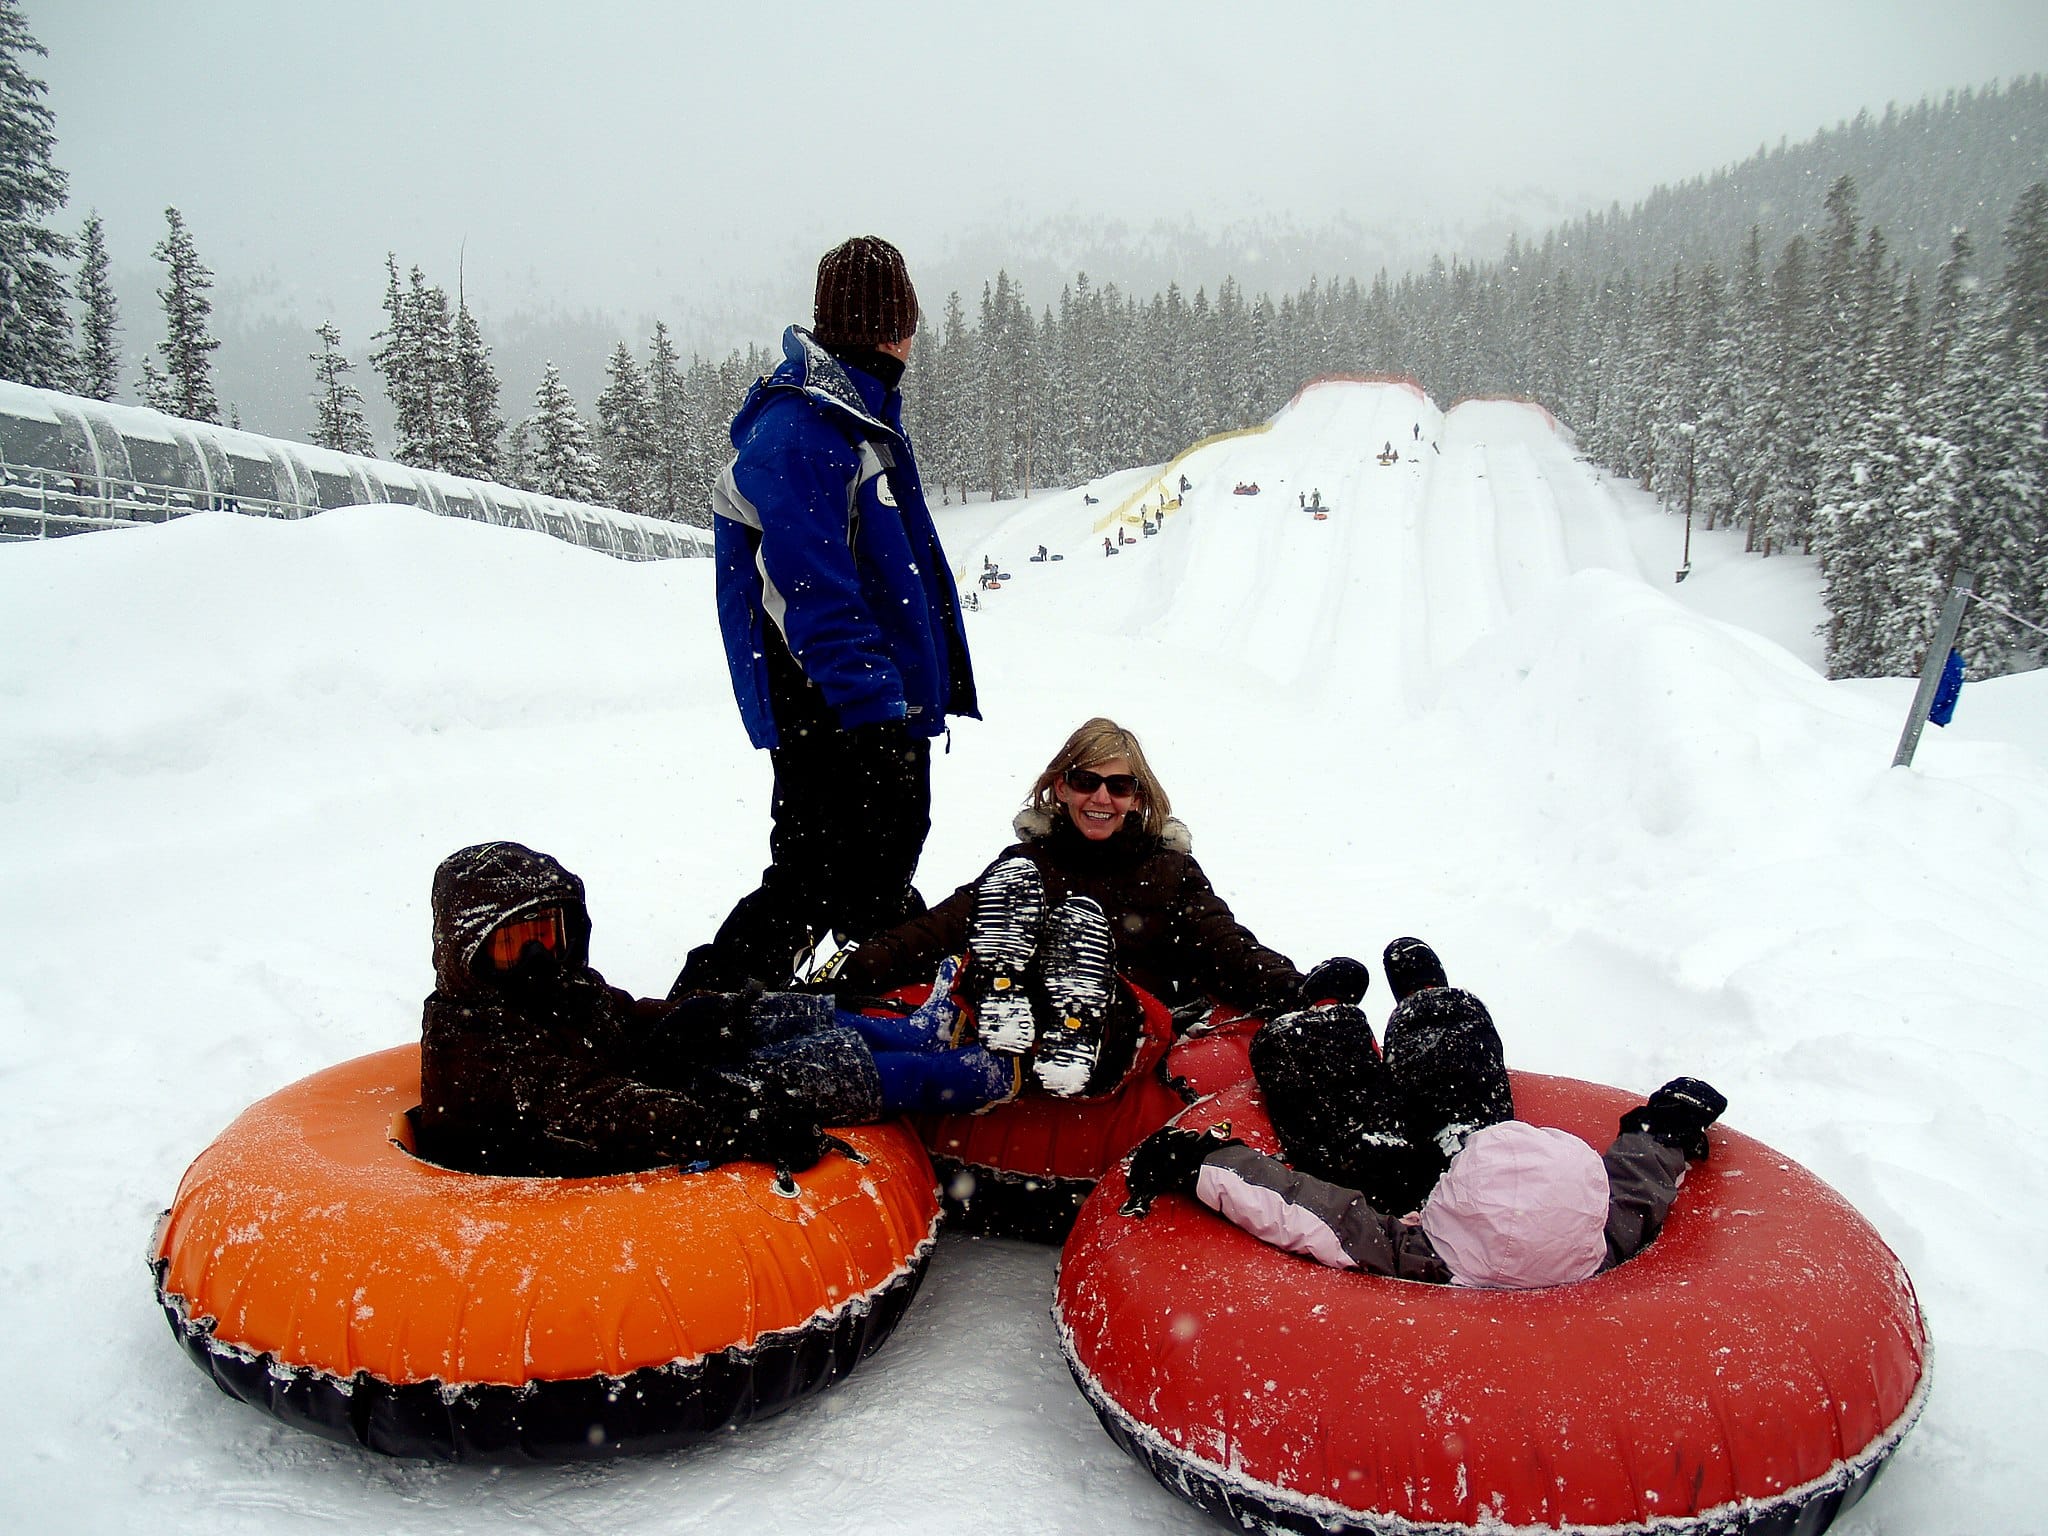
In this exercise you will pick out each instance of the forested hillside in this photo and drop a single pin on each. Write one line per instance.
(1836, 346)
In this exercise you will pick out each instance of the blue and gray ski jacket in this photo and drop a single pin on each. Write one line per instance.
(823, 532)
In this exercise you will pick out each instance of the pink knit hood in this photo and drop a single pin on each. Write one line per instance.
(1520, 1206)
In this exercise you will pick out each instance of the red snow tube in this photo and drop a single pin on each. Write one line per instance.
(1749, 1372)
(1022, 1169)
(312, 1266)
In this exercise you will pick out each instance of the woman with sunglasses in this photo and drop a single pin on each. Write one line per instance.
(1101, 888)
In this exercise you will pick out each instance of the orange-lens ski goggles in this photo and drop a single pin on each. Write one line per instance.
(509, 941)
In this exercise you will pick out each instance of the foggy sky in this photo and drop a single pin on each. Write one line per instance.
(601, 154)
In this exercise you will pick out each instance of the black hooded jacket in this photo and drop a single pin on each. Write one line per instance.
(572, 1077)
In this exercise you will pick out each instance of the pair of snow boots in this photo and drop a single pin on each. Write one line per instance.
(1385, 1123)
(1040, 984)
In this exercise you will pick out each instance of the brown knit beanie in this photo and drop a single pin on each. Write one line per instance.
(864, 295)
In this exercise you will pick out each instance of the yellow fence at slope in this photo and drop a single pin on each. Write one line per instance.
(1165, 484)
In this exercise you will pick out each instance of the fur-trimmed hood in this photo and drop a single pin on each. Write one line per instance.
(1032, 824)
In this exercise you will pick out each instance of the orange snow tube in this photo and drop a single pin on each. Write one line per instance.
(1749, 1372)
(312, 1266)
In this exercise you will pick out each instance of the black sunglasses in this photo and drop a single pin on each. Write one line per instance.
(1085, 781)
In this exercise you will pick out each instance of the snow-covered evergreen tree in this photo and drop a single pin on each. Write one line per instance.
(154, 389)
(482, 428)
(445, 405)
(515, 467)
(1798, 382)
(35, 324)
(2010, 549)
(187, 347)
(391, 355)
(2026, 273)
(676, 489)
(624, 433)
(98, 374)
(562, 463)
(1953, 286)
(997, 430)
(337, 405)
(446, 443)
(943, 393)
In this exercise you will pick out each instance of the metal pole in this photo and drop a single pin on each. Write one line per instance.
(1930, 670)
(1687, 561)
(1686, 430)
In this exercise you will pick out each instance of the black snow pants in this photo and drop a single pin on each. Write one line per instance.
(850, 815)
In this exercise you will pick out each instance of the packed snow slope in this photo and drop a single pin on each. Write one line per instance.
(1470, 703)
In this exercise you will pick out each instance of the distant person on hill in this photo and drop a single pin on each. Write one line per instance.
(1411, 1163)
(1109, 548)
(842, 629)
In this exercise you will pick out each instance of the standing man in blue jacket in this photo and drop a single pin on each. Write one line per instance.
(842, 628)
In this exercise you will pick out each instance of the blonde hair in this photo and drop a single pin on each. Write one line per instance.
(1098, 741)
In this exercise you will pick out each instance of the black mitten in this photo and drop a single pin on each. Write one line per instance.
(696, 1031)
(717, 1026)
(1678, 1115)
(780, 1132)
(1167, 1163)
(1340, 979)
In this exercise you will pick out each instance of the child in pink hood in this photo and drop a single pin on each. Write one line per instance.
(1501, 1203)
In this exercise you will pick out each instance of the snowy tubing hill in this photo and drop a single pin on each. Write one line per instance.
(1468, 703)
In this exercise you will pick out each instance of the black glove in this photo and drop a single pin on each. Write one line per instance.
(1678, 1115)
(718, 1026)
(694, 1031)
(1340, 979)
(1167, 1163)
(779, 1132)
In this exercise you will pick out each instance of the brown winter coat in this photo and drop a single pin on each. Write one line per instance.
(1175, 937)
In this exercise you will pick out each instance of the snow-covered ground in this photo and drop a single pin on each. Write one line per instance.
(1470, 704)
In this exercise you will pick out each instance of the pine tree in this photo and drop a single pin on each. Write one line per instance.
(2008, 547)
(515, 467)
(943, 393)
(675, 488)
(562, 463)
(154, 389)
(1951, 294)
(338, 407)
(187, 348)
(418, 358)
(446, 443)
(1795, 455)
(391, 354)
(476, 395)
(35, 324)
(99, 358)
(624, 448)
(2026, 272)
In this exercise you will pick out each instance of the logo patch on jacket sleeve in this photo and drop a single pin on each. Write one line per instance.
(884, 492)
